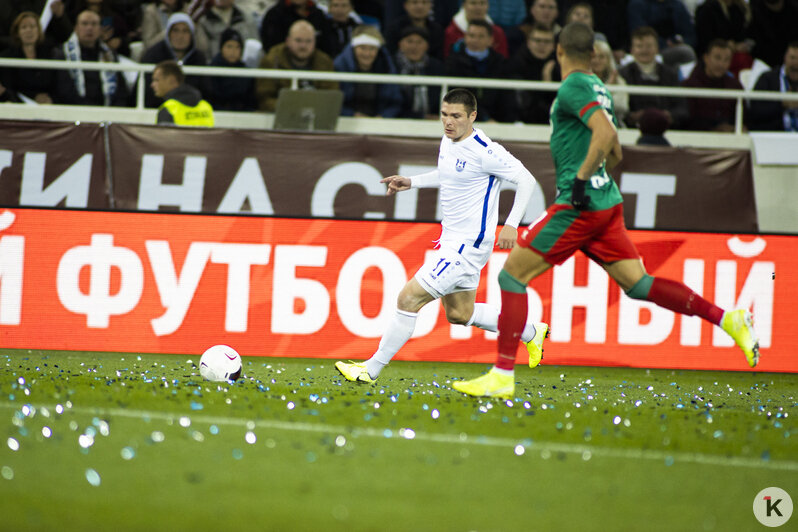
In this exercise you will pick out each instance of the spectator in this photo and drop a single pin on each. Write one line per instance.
(90, 87)
(772, 115)
(475, 58)
(712, 72)
(728, 20)
(609, 18)
(541, 12)
(673, 24)
(583, 12)
(182, 104)
(178, 45)
(367, 53)
(473, 10)
(647, 71)
(231, 93)
(343, 20)
(113, 27)
(653, 125)
(58, 31)
(534, 62)
(603, 65)
(274, 28)
(154, 19)
(417, 13)
(298, 52)
(27, 42)
(772, 27)
(412, 58)
(507, 13)
(222, 15)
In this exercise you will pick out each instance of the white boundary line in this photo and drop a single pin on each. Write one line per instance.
(479, 440)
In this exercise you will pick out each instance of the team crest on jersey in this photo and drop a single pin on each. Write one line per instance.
(459, 165)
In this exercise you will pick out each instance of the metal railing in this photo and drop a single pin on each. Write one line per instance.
(400, 79)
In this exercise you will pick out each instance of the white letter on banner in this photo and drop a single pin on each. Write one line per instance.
(100, 257)
(288, 288)
(494, 295)
(239, 258)
(176, 292)
(647, 187)
(153, 193)
(6, 157)
(12, 260)
(756, 294)
(247, 185)
(565, 296)
(631, 331)
(694, 280)
(347, 292)
(334, 179)
(72, 185)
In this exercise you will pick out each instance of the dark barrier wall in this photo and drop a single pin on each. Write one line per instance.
(324, 175)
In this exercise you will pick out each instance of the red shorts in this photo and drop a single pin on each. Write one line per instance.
(562, 230)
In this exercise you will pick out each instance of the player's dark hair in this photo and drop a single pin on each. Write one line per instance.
(645, 31)
(172, 69)
(576, 40)
(482, 24)
(462, 96)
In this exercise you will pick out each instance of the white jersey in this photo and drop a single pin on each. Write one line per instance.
(470, 173)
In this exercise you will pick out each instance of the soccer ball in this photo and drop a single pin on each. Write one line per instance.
(220, 363)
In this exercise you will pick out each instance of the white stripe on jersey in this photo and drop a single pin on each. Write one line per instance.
(470, 172)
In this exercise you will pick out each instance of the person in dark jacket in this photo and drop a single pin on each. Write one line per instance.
(770, 115)
(233, 93)
(367, 53)
(89, 87)
(274, 28)
(417, 13)
(182, 104)
(475, 58)
(179, 46)
(37, 84)
(58, 30)
(772, 27)
(412, 58)
(647, 71)
(534, 62)
(712, 114)
(343, 21)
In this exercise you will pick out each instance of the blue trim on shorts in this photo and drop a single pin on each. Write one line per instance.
(482, 142)
(481, 236)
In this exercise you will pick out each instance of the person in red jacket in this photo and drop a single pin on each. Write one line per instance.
(473, 10)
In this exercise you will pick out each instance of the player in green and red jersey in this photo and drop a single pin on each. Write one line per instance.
(587, 216)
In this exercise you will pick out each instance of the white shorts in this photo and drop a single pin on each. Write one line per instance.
(455, 267)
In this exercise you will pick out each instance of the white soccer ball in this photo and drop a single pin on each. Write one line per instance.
(220, 363)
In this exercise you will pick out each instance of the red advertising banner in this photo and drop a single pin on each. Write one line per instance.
(170, 283)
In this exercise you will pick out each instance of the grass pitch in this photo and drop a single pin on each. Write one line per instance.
(119, 442)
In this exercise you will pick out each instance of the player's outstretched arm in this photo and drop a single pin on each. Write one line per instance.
(396, 183)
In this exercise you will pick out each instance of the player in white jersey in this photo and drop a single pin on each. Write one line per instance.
(470, 170)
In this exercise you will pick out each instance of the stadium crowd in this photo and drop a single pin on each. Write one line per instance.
(721, 44)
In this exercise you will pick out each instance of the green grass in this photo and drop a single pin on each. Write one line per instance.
(142, 442)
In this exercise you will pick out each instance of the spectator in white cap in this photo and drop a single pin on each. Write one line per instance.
(367, 54)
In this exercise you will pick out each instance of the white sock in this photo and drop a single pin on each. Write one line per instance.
(501, 371)
(487, 317)
(398, 333)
